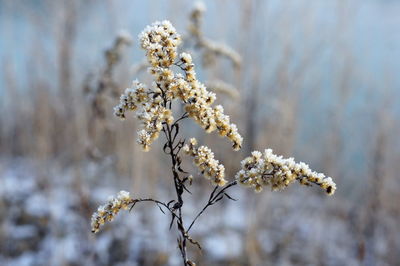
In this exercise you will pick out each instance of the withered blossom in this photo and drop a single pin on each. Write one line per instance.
(267, 169)
(107, 212)
(203, 158)
(160, 40)
(174, 78)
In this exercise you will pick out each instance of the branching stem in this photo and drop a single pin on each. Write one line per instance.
(212, 200)
(172, 147)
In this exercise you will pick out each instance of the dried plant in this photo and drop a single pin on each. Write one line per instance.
(222, 87)
(104, 88)
(106, 85)
(101, 89)
(209, 51)
(175, 81)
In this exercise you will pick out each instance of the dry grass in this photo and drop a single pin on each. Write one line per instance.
(304, 80)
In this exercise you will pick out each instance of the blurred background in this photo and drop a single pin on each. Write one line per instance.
(318, 80)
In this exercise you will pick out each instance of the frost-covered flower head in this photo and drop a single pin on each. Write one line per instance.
(198, 103)
(107, 212)
(204, 160)
(174, 79)
(160, 40)
(268, 169)
(150, 112)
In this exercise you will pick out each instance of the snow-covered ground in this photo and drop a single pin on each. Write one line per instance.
(45, 220)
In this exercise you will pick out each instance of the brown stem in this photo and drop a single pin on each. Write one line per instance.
(179, 191)
(178, 183)
(171, 132)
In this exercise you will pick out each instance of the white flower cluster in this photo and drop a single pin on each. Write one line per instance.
(198, 104)
(160, 40)
(268, 169)
(107, 212)
(204, 160)
(131, 99)
(150, 111)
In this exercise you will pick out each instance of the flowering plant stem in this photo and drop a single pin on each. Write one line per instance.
(154, 109)
(179, 184)
(172, 147)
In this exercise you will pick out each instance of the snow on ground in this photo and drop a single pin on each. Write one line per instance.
(45, 220)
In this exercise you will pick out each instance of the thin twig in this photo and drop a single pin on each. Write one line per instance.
(213, 199)
(156, 202)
